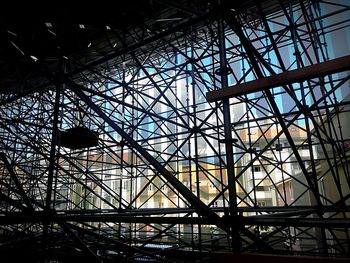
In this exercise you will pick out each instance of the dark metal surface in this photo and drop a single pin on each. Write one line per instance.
(285, 78)
(264, 168)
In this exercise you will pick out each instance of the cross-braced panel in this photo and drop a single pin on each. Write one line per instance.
(226, 131)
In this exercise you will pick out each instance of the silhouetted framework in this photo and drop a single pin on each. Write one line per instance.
(116, 153)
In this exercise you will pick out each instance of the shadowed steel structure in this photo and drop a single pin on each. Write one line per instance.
(197, 128)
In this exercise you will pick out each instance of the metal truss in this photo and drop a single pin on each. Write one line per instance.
(221, 128)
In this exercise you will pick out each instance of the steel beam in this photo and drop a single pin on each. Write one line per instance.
(45, 218)
(120, 52)
(201, 208)
(252, 53)
(183, 190)
(286, 78)
(231, 177)
(52, 157)
(119, 244)
(146, 41)
(12, 202)
(16, 181)
(37, 217)
(51, 172)
(161, 211)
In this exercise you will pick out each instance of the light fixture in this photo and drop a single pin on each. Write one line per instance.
(11, 33)
(50, 31)
(20, 50)
(168, 19)
(34, 58)
(48, 24)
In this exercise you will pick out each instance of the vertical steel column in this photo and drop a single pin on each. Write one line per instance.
(51, 169)
(228, 138)
(53, 149)
(195, 134)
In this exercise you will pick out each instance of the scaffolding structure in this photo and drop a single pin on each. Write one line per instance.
(216, 127)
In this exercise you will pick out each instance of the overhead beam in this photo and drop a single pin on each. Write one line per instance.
(119, 52)
(271, 210)
(286, 78)
(37, 217)
(146, 41)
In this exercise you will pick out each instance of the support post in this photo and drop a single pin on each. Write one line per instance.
(228, 140)
(51, 171)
